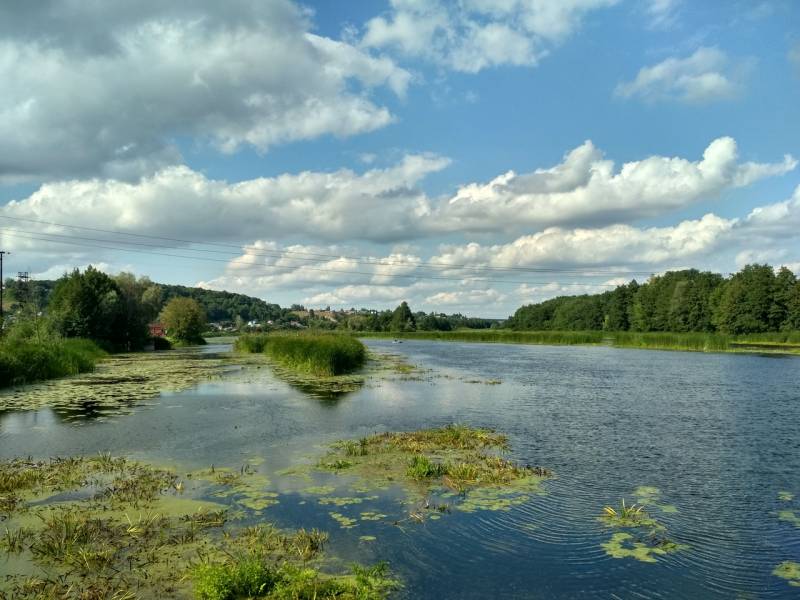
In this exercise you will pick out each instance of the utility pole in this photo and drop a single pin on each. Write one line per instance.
(2, 283)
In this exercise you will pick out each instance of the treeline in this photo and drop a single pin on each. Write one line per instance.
(754, 300)
(399, 319)
(218, 306)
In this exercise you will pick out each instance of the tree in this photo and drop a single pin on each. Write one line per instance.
(91, 305)
(746, 301)
(185, 320)
(402, 318)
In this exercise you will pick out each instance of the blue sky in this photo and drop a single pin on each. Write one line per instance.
(464, 156)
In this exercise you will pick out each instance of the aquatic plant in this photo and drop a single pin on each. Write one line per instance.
(627, 516)
(502, 336)
(316, 353)
(790, 571)
(626, 545)
(421, 467)
(26, 361)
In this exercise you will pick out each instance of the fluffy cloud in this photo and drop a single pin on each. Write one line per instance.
(476, 34)
(92, 88)
(615, 245)
(380, 204)
(585, 189)
(386, 205)
(706, 76)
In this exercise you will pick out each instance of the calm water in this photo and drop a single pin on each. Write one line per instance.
(717, 434)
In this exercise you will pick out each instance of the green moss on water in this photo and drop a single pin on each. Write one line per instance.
(461, 459)
(118, 383)
(319, 490)
(344, 521)
(644, 537)
(626, 545)
(785, 496)
(790, 571)
(245, 487)
(127, 531)
(789, 516)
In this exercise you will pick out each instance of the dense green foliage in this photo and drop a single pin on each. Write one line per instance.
(25, 361)
(185, 320)
(227, 306)
(95, 306)
(754, 300)
(315, 353)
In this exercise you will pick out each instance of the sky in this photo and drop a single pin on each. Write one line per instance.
(466, 156)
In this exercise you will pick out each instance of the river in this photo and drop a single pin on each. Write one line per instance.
(716, 434)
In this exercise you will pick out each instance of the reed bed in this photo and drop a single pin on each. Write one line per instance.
(318, 354)
(23, 362)
(698, 342)
(502, 336)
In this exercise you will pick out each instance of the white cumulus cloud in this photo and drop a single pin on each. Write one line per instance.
(707, 75)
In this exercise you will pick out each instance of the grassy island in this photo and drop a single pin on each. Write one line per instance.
(318, 354)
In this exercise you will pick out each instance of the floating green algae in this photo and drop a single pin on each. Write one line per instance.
(103, 527)
(626, 545)
(790, 571)
(785, 496)
(645, 537)
(367, 538)
(118, 383)
(345, 522)
(455, 461)
(245, 487)
(789, 516)
(372, 516)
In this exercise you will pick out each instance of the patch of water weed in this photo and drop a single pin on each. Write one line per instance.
(462, 459)
(119, 383)
(789, 516)
(136, 537)
(626, 545)
(645, 538)
(125, 528)
(246, 487)
(785, 496)
(344, 521)
(372, 516)
(790, 571)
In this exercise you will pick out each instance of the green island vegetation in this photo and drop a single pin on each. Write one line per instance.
(127, 531)
(314, 353)
(643, 537)
(461, 465)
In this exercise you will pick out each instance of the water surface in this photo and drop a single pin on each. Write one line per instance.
(716, 434)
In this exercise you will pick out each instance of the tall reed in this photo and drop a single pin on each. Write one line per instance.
(315, 353)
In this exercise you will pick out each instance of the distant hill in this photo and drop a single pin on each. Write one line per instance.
(220, 306)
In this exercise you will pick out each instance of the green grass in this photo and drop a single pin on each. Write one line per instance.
(318, 354)
(24, 362)
(504, 336)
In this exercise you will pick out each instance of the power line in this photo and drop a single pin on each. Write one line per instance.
(287, 269)
(321, 257)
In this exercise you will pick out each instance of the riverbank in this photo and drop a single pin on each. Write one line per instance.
(23, 362)
(770, 343)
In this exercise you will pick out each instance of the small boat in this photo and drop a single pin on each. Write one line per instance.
(396, 341)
